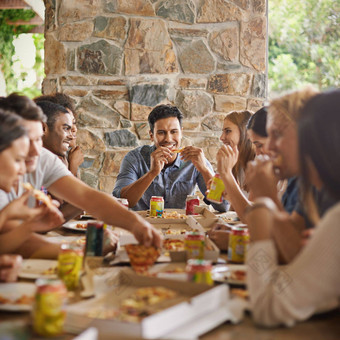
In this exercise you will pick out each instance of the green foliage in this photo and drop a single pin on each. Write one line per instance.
(304, 38)
(7, 34)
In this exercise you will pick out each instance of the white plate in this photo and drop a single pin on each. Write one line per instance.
(72, 225)
(35, 268)
(14, 291)
(224, 273)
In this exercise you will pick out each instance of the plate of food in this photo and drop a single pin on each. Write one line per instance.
(17, 296)
(78, 225)
(35, 268)
(234, 274)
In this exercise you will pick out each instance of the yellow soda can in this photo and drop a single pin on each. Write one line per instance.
(238, 244)
(199, 271)
(216, 189)
(156, 206)
(70, 263)
(49, 307)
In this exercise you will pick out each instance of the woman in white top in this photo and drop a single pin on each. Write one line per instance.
(311, 282)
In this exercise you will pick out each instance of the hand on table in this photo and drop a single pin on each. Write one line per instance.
(111, 241)
(9, 267)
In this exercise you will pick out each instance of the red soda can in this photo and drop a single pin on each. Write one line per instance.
(190, 203)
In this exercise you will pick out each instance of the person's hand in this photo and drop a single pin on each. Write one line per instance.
(261, 179)
(19, 210)
(196, 156)
(75, 159)
(9, 267)
(50, 218)
(227, 157)
(146, 234)
(111, 242)
(158, 159)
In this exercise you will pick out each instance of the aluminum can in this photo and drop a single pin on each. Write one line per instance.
(70, 263)
(216, 190)
(94, 238)
(49, 307)
(194, 245)
(123, 201)
(238, 244)
(190, 203)
(199, 271)
(156, 206)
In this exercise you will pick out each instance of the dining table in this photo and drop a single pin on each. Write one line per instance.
(323, 326)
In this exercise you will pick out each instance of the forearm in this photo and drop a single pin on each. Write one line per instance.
(207, 175)
(235, 195)
(14, 238)
(37, 246)
(69, 211)
(134, 191)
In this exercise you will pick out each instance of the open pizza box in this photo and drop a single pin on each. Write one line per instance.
(194, 302)
(174, 216)
(211, 252)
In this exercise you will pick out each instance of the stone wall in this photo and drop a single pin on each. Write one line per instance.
(119, 58)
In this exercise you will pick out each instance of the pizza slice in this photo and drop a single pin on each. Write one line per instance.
(177, 150)
(141, 256)
(39, 195)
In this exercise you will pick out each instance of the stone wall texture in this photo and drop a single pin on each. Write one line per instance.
(119, 58)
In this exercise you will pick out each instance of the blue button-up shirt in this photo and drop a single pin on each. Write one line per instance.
(174, 182)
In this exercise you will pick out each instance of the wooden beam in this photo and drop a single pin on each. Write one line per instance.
(34, 21)
(13, 4)
(37, 29)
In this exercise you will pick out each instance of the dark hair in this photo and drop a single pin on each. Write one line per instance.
(51, 110)
(319, 140)
(58, 98)
(22, 106)
(258, 121)
(10, 129)
(245, 146)
(164, 111)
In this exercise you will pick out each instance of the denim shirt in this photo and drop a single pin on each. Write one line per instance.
(174, 183)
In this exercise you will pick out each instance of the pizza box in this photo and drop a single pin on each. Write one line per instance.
(196, 301)
(201, 211)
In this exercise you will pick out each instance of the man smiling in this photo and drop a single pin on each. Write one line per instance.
(159, 170)
(58, 128)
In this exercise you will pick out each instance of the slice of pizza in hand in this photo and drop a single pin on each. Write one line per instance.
(39, 195)
(177, 150)
(142, 257)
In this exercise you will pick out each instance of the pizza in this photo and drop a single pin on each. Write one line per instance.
(39, 195)
(142, 257)
(173, 244)
(238, 275)
(242, 293)
(168, 231)
(177, 150)
(81, 225)
(140, 304)
(22, 300)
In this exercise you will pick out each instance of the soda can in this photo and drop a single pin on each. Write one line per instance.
(238, 244)
(156, 206)
(199, 271)
(94, 238)
(70, 263)
(194, 245)
(190, 202)
(216, 189)
(49, 307)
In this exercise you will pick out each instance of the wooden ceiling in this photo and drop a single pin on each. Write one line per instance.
(37, 21)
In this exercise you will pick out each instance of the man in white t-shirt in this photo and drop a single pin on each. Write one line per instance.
(45, 169)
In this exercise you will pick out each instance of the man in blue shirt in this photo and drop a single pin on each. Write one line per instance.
(163, 169)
